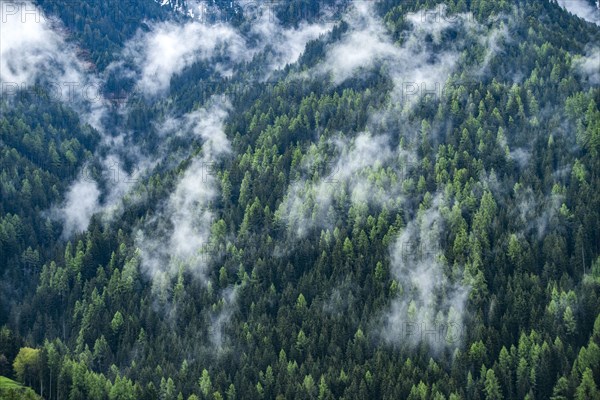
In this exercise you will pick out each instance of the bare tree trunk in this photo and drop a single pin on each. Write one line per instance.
(62, 307)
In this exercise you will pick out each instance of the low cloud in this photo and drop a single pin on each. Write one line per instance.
(537, 214)
(33, 48)
(366, 169)
(589, 66)
(366, 44)
(81, 202)
(177, 239)
(430, 306)
(313, 200)
(169, 48)
(419, 64)
(583, 9)
(35, 51)
(221, 316)
(285, 45)
(521, 156)
(179, 235)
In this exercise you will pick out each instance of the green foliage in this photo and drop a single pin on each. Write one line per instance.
(27, 364)
(283, 314)
(11, 390)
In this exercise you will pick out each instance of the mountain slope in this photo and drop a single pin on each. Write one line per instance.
(407, 207)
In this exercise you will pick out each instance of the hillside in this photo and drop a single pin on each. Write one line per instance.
(301, 199)
(11, 390)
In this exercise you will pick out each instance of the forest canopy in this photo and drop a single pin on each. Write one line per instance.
(305, 199)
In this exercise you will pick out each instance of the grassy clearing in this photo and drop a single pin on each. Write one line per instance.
(10, 390)
(6, 383)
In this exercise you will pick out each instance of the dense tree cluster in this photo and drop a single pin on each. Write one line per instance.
(523, 236)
